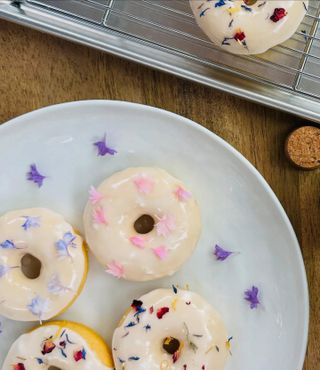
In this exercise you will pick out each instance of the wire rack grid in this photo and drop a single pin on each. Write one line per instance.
(169, 26)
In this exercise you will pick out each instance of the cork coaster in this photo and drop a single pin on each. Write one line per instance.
(303, 147)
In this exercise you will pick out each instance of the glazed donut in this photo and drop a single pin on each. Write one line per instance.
(59, 345)
(170, 330)
(141, 223)
(43, 264)
(249, 26)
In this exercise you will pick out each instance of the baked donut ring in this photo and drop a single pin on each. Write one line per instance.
(141, 223)
(43, 264)
(59, 345)
(170, 329)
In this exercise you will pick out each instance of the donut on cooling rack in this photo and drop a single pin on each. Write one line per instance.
(170, 329)
(141, 223)
(59, 345)
(249, 26)
(43, 264)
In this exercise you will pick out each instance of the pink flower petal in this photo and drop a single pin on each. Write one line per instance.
(165, 225)
(115, 269)
(144, 184)
(182, 194)
(99, 216)
(138, 241)
(94, 195)
(161, 252)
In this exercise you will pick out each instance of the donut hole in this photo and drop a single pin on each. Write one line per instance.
(144, 224)
(54, 368)
(30, 266)
(171, 345)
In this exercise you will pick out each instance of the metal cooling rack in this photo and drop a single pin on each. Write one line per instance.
(163, 34)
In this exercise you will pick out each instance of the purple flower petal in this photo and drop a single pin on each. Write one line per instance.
(220, 253)
(62, 245)
(68, 237)
(3, 270)
(251, 295)
(55, 286)
(102, 147)
(8, 244)
(34, 175)
(38, 306)
(62, 248)
(30, 222)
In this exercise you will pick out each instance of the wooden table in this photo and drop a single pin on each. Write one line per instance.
(38, 70)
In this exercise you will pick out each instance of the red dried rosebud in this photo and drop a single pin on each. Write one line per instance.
(79, 355)
(239, 36)
(136, 304)
(278, 14)
(48, 347)
(151, 310)
(162, 311)
(19, 366)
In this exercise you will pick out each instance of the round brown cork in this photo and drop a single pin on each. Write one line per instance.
(303, 147)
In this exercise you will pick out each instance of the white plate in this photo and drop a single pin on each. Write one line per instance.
(239, 211)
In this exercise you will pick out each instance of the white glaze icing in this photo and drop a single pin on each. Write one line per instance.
(30, 350)
(61, 275)
(123, 202)
(189, 319)
(222, 23)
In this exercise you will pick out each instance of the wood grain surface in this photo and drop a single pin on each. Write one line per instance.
(37, 70)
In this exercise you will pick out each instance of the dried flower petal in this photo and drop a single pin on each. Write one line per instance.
(19, 366)
(136, 304)
(55, 286)
(99, 217)
(80, 355)
(251, 295)
(102, 147)
(165, 225)
(278, 14)
(162, 311)
(35, 176)
(175, 356)
(138, 241)
(239, 36)
(62, 245)
(175, 289)
(8, 244)
(30, 222)
(115, 269)
(144, 184)
(182, 194)
(94, 195)
(48, 346)
(131, 324)
(38, 306)
(161, 252)
(134, 358)
(4, 269)
(220, 253)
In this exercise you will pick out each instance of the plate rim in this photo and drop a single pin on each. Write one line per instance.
(18, 120)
